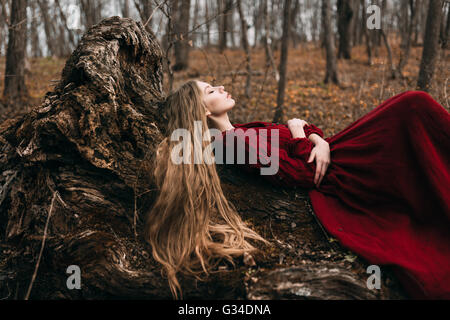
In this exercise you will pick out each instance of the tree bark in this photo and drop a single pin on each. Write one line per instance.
(15, 91)
(331, 68)
(430, 51)
(83, 160)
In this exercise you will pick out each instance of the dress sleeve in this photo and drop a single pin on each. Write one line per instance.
(309, 129)
(293, 169)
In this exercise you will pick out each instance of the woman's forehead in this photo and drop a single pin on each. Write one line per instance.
(203, 84)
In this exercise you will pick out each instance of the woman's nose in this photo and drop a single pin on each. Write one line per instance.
(222, 88)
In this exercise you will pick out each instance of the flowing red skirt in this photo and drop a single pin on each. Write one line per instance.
(386, 194)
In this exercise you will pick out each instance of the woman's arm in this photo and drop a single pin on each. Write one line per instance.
(315, 138)
(292, 171)
(320, 152)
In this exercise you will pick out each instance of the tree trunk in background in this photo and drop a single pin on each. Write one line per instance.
(4, 17)
(231, 26)
(49, 28)
(221, 25)
(294, 36)
(447, 30)
(315, 21)
(430, 51)
(368, 38)
(389, 51)
(445, 26)
(224, 7)
(194, 35)
(125, 8)
(345, 15)
(145, 10)
(91, 12)
(64, 22)
(34, 34)
(181, 28)
(279, 112)
(267, 42)
(248, 83)
(405, 52)
(356, 21)
(15, 91)
(208, 25)
(256, 23)
(331, 71)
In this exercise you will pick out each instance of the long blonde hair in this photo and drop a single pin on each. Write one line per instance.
(191, 224)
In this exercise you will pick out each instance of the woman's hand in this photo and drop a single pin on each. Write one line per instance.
(296, 127)
(321, 152)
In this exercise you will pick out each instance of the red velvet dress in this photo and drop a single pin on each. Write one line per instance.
(386, 193)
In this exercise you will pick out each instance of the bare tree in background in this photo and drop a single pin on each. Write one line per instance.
(4, 22)
(15, 91)
(181, 28)
(145, 9)
(34, 33)
(49, 27)
(92, 11)
(268, 40)
(331, 72)
(430, 52)
(208, 25)
(294, 36)
(283, 62)
(244, 28)
(125, 8)
(365, 32)
(224, 8)
(446, 38)
(407, 39)
(345, 17)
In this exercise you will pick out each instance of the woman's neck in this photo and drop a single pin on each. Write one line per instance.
(222, 122)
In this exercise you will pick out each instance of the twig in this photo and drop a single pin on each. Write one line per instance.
(33, 278)
(153, 12)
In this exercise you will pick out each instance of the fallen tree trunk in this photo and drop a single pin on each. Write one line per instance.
(75, 185)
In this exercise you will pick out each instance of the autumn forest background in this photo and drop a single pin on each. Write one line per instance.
(315, 60)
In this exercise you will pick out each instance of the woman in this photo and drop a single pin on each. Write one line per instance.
(380, 186)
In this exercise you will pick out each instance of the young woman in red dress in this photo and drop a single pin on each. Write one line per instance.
(381, 187)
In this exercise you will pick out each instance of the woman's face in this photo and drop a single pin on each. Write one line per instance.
(216, 99)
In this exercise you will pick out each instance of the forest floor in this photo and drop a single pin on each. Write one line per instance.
(330, 107)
